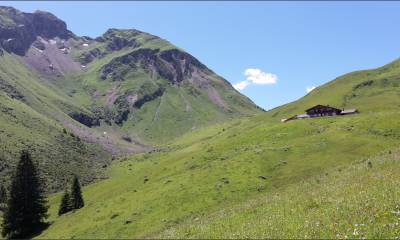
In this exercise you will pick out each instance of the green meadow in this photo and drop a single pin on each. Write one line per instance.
(255, 177)
(357, 201)
(167, 193)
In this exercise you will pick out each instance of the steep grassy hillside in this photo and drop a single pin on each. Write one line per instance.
(175, 191)
(358, 201)
(217, 168)
(31, 118)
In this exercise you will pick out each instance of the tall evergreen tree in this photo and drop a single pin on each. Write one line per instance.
(76, 194)
(65, 205)
(3, 198)
(3, 194)
(26, 205)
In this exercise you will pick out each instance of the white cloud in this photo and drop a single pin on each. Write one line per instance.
(255, 76)
(241, 85)
(309, 89)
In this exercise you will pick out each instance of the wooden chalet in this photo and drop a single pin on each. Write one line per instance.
(322, 111)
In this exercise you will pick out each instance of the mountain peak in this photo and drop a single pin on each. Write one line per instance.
(139, 82)
(121, 32)
(18, 30)
(49, 26)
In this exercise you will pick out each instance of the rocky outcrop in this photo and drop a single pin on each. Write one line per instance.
(84, 119)
(19, 30)
(173, 65)
(88, 57)
(10, 90)
(183, 64)
(149, 97)
(49, 26)
(120, 66)
(114, 40)
(118, 39)
(117, 43)
(121, 110)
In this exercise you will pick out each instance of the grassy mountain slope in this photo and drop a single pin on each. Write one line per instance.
(31, 113)
(78, 102)
(151, 89)
(171, 191)
(250, 158)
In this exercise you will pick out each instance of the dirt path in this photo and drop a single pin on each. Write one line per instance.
(187, 103)
(155, 118)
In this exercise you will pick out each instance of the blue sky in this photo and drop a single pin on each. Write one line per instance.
(284, 46)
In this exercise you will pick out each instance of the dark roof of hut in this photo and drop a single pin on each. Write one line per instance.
(319, 105)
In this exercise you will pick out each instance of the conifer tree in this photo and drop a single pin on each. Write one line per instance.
(3, 194)
(3, 198)
(76, 195)
(65, 205)
(26, 205)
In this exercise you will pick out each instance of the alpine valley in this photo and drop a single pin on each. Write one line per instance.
(166, 148)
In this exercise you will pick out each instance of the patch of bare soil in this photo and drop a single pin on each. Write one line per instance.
(109, 143)
(51, 57)
(202, 81)
(112, 95)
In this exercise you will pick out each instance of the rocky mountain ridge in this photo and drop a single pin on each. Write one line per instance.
(19, 30)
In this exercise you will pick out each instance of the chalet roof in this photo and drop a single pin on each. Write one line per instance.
(319, 105)
(347, 111)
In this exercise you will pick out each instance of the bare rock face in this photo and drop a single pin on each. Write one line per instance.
(89, 56)
(117, 68)
(40, 38)
(84, 119)
(114, 40)
(183, 64)
(173, 65)
(19, 30)
(49, 26)
(117, 39)
(51, 57)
